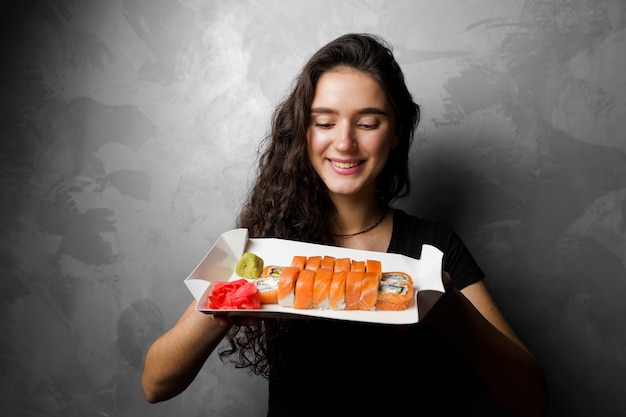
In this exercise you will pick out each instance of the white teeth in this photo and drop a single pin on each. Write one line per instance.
(345, 165)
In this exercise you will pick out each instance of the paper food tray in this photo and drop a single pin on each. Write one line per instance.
(220, 262)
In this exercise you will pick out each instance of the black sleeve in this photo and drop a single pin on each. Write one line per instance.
(410, 233)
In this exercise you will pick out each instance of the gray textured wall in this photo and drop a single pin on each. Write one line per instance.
(128, 133)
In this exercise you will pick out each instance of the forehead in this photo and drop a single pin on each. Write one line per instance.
(346, 88)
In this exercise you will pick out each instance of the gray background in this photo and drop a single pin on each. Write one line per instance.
(128, 134)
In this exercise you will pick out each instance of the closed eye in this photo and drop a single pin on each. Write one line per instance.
(323, 125)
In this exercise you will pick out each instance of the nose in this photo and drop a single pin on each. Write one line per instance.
(346, 139)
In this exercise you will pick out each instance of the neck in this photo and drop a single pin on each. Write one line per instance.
(355, 216)
(353, 219)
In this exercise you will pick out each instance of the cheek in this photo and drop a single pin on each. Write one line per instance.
(384, 157)
(311, 148)
(382, 147)
(382, 150)
(314, 143)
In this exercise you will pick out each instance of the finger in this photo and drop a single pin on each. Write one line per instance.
(243, 320)
(447, 281)
(222, 318)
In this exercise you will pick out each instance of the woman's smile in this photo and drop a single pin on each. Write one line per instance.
(345, 165)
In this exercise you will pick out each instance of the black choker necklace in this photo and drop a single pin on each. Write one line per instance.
(365, 230)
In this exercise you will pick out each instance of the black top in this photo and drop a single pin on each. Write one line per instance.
(339, 368)
(410, 233)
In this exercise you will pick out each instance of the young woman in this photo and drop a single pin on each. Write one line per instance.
(336, 158)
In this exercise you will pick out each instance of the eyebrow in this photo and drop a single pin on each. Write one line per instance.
(366, 110)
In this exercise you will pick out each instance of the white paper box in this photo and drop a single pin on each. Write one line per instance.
(220, 262)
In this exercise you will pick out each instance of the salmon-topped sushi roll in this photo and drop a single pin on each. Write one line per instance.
(395, 291)
(268, 289)
(303, 296)
(287, 285)
(298, 261)
(342, 264)
(337, 295)
(369, 291)
(321, 288)
(353, 289)
(372, 265)
(313, 263)
(328, 262)
(357, 266)
(271, 271)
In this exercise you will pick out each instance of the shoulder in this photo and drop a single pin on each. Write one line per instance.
(410, 233)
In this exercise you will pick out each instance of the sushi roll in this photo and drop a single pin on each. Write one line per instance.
(321, 288)
(271, 271)
(298, 261)
(372, 265)
(395, 291)
(369, 287)
(313, 263)
(337, 293)
(353, 289)
(369, 291)
(268, 289)
(303, 295)
(326, 282)
(328, 262)
(342, 264)
(357, 266)
(287, 285)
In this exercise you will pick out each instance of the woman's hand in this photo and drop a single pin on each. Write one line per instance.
(175, 358)
(238, 319)
(471, 319)
(441, 309)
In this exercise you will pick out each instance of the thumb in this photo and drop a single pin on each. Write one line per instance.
(447, 281)
(436, 306)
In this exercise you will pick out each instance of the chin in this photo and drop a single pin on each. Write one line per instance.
(345, 191)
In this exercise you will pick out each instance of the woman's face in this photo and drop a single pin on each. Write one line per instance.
(351, 132)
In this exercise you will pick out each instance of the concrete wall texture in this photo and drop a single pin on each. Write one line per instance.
(129, 131)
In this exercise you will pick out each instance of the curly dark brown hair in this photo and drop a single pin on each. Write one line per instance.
(289, 200)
